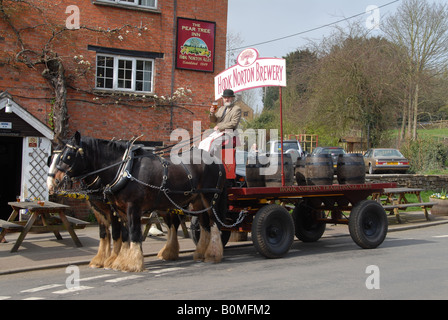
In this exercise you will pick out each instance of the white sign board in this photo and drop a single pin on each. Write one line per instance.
(5, 125)
(251, 72)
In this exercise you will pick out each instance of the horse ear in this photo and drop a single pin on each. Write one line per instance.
(77, 138)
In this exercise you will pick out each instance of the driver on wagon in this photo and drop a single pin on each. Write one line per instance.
(228, 116)
(226, 120)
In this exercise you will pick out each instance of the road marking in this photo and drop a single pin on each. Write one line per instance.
(165, 270)
(49, 286)
(71, 290)
(4, 297)
(123, 279)
(34, 298)
(442, 236)
(97, 277)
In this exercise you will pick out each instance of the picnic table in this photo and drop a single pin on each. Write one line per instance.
(44, 216)
(393, 199)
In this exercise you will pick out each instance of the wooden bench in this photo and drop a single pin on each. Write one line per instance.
(396, 206)
(76, 223)
(42, 218)
(10, 226)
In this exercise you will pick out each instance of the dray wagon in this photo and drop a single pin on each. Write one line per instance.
(273, 227)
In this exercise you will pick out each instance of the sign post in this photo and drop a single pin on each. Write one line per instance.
(281, 135)
(253, 72)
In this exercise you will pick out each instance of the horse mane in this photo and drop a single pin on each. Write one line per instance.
(101, 149)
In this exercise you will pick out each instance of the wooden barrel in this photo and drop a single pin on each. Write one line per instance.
(253, 177)
(319, 169)
(300, 171)
(275, 179)
(350, 169)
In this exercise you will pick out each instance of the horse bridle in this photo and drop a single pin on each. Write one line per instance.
(69, 159)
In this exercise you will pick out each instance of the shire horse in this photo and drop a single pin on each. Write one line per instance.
(108, 220)
(137, 182)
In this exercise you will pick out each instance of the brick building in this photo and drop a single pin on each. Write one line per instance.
(107, 68)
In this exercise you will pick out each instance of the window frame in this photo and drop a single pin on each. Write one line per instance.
(115, 87)
(131, 3)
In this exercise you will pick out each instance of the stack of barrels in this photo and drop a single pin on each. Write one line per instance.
(310, 170)
(318, 169)
(266, 171)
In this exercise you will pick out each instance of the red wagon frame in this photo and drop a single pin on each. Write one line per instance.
(275, 214)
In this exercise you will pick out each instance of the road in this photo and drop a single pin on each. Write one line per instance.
(410, 264)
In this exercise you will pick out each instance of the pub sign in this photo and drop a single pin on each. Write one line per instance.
(195, 49)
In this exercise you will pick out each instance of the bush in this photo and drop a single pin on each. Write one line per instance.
(425, 154)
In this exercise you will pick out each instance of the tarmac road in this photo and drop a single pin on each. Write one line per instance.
(410, 264)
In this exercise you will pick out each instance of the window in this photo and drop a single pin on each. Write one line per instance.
(140, 3)
(124, 73)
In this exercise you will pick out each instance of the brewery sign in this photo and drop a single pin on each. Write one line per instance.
(251, 72)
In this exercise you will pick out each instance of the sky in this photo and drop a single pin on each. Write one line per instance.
(263, 20)
(256, 21)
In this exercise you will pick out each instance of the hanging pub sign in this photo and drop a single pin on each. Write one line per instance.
(195, 48)
(251, 72)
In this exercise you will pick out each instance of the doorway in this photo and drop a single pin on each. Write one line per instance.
(10, 172)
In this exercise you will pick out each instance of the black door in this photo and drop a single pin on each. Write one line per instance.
(10, 172)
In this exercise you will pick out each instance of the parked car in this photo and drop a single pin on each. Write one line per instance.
(385, 160)
(291, 147)
(334, 151)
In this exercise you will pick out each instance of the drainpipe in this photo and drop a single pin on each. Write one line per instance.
(173, 67)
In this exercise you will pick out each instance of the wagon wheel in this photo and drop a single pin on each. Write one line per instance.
(368, 224)
(307, 228)
(273, 231)
(195, 232)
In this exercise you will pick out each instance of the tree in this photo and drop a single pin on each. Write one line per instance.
(354, 86)
(421, 30)
(300, 64)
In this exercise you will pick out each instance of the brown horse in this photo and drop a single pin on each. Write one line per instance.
(138, 182)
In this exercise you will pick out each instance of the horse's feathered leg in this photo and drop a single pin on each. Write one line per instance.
(126, 259)
(104, 247)
(215, 249)
(171, 249)
(116, 238)
(134, 259)
(201, 247)
(204, 234)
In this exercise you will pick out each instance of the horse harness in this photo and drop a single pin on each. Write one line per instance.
(163, 188)
(123, 176)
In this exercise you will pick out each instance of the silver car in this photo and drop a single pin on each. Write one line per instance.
(385, 159)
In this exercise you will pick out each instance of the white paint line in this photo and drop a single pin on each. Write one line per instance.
(123, 279)
(37, 289)
(71, 290)
(165, 270)
(97, 277)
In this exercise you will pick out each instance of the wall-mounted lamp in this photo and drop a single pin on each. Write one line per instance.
(8, 107)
